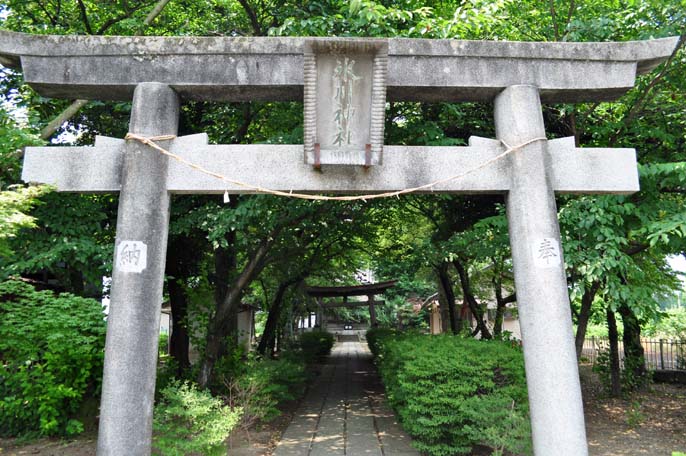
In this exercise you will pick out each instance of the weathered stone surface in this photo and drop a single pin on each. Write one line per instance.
(128, 386)
(98, 169)
(238, 69)
(557, 418)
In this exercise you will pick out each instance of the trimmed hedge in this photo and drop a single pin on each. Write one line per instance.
(376, 336)
(315, 345)
(452, 393)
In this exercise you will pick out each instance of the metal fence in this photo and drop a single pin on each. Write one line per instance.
(660, 354)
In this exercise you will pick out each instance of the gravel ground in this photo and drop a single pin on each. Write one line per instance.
(652, 422)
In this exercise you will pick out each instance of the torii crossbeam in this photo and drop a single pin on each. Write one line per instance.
(160, 72)
(369, 290)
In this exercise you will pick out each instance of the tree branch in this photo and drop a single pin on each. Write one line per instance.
(257, 28)
(51, 18)
(156, 11)
(553, 14)
(510, 299)
(84, 17)
(64, 116)
(636, 248)
(642, 98)
(76, 106)
(570, 11)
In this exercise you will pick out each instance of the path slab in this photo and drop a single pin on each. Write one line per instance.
(344, 412)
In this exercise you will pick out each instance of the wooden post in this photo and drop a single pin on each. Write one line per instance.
(662, 358)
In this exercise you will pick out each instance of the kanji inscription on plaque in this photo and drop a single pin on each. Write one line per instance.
(344, 101)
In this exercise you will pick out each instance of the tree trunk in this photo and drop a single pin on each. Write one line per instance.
(182, 261)
(500, 312)
(76, 282)
(224, 269)
(633, 350)
(501, 303)
(615, 385)
(471, 300)
(179, 342)
(443, 308)
(268, 340)
(224, 265)
(584, 316)
(219, 325)
(447, 291)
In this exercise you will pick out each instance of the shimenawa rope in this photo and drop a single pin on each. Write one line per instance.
(150, 141)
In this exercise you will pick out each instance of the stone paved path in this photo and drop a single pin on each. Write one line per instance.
(344, 412)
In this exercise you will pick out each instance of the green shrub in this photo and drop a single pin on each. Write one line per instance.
(262, 386)
(51, 348)
(452, 393)
(167, 373)
(315, 345)
(376, 336)
(191, 421)
(628, 379)
(163, 344)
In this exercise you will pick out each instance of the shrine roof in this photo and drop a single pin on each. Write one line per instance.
(271, 68)
(350, 290)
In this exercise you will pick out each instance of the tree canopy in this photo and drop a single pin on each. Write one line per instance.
(261, 249)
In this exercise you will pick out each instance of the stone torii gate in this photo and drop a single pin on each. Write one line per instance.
(369, 290)
(344, 84)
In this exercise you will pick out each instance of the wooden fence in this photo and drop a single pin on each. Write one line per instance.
(660, 354)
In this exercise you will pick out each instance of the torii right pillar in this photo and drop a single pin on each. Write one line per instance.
(557, 417)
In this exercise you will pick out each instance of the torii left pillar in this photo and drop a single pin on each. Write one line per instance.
(128, 388)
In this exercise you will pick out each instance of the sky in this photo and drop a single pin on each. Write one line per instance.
(678, 263)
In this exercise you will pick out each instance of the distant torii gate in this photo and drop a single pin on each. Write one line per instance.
(343, 83)
(369, 290)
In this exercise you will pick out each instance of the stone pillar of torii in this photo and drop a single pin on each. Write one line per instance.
(344, 84)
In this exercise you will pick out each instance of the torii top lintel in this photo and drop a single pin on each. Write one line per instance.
(259, 68)
(350, 290)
